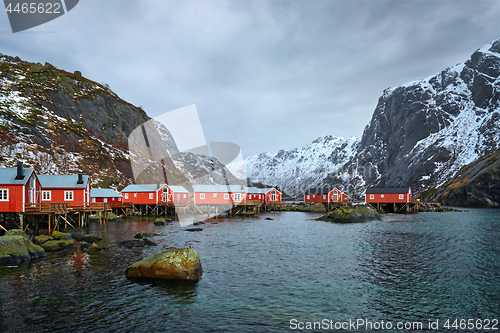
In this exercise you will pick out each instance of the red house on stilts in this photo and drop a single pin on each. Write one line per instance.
(18, 186)
(392, 198)
(73, 190)
(324, 195)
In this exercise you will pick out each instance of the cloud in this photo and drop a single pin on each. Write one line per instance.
(263, 74)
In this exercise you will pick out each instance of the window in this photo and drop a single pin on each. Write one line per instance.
(105, 200)
(401, 196)
(273, 196)
(237, 197)
(226, 196)
(184, 196)
(324, 196)
(202, 195)
(135, 195)
(249, 196)
(215, 195)
(308, 197)
(93, 199)
(45, 195)
(260, 196)
(126, 195)
(4, 194)
(68, 195)
(119, 199)
(372, 196)
(151, 196)
(383, 196)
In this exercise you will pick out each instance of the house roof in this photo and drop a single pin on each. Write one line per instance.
(376, 190)
(178, 189)
(8, 176)
(220, 188)
(253, 190)
(104, 193)
(320, 190)
(143, 188)
(62, 181)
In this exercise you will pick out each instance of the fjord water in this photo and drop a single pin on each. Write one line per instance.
(260, 274)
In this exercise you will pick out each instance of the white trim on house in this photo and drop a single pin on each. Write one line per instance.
(4, 194)
(202, 196)
(46, 195)
(68, 196)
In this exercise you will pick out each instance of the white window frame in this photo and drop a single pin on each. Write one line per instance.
(93, 199)
(249, 196)
(260, 196)
(274, 196)
(150, 196)
(4, 194)
(237, 197)
(49, 196)
(202, 196)
(381, 195)
(184, 196)
(226, 196)
(135, 195)
(126, 195)
(308, 196)
(372, 196)
(324, 196)
(69, 196)
(401, 196)
(215, 195)
(105, 200)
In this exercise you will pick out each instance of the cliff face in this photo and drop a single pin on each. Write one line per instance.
(62, 123)
(476, 184)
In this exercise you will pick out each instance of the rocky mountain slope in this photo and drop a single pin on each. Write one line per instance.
(62, 123)
(423, 132)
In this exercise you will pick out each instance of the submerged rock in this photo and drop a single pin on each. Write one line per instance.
(15, 246)
(143, 234)
(174, 264)
(194, 229)
(268, 218)
(58, 245)
(360, 213)
(130, 243)
(199, 223)
(91, 238)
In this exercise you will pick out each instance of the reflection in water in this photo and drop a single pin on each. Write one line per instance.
(259, 274)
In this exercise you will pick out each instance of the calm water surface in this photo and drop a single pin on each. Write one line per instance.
(260, 274)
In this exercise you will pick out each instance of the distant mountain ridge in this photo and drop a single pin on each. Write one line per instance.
(421, 133)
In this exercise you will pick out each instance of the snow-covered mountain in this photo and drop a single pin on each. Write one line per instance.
(421, 133)
(297, 169)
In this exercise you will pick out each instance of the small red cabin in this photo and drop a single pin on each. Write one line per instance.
(105, 195)
(267, 195)
(388, 195)
(324, 195)
(154, 193)
(70, 189)
(18, 186)
(219, 194)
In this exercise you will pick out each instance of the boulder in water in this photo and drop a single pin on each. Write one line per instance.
(173, 264)
(15, 246)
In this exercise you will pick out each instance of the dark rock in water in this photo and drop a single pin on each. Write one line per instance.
(173, 264)
(91, 238)
(359, 213)
(160, 223)
(140, 234)
(194, 229)
(198, 223)
(136, 243)
(77, 236)
(39, 240)
(93, 248)
(57, 245)
(15, 246)
(57, 235)
(268, 218)
(84, 246)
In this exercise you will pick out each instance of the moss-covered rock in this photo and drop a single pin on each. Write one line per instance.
(16, 248)
(130, 243)
(91, 238)
(57, 235)
(316, 208)
(57, 245)
(359, 213)
(15, 232)
(174, 264)
(39, 240)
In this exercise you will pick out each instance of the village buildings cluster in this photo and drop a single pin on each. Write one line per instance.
(22, 188)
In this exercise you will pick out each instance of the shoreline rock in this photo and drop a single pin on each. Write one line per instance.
(172, 264)
(353, 214)
(15, 246)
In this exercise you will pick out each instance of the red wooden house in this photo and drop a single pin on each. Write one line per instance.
(18, 186)
(386, 195)
(70, 189)
(105, 195)
(264, 195)
(324, 195)
(154, 194)
(219, 194)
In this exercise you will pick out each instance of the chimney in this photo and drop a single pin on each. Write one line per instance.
(20, 171)
(157, 185)
(80, 178)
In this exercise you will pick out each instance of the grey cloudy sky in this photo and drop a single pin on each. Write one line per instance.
(263, 74)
